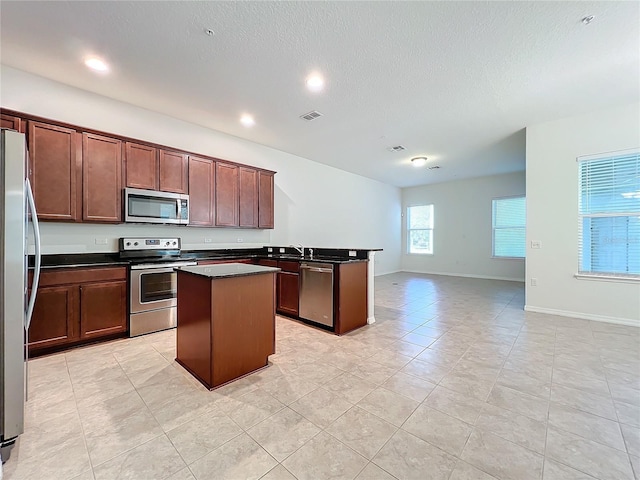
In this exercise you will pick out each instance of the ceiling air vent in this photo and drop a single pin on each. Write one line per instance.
(312, 115)
(397, 148)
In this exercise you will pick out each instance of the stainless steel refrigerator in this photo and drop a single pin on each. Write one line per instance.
(16, 211)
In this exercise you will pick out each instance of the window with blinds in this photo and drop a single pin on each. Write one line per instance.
(609, 214)
(509, 227)
(420, 229)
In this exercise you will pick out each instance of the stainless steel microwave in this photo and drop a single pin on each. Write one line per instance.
(149, 206)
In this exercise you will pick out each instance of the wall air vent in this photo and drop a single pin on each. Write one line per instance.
(312, 115)
(397, 148)
(433, 167)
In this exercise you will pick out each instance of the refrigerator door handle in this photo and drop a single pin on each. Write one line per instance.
(38, 253)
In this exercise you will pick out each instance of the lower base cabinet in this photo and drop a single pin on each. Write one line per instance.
(288, 293)
(76, 305)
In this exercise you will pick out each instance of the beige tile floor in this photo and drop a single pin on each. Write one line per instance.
(454, 381)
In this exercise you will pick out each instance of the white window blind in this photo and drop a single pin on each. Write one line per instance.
(509, 227)
(609, 214)
(420, 229)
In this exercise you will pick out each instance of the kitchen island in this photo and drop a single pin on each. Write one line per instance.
(226, 320)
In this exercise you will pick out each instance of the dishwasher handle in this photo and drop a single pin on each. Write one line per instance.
(316, 269)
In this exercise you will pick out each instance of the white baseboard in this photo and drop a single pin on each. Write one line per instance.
(379, 274)
(584, 316)
(468, 275)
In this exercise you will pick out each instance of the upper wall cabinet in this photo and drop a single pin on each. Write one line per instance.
(226, 195)
(101, 179)
(11, 122)
(141, 166)
(201, 187)
(55, 167)
(248, 185)
(265, 199)
(173, 172)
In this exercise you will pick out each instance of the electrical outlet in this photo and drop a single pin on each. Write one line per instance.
(269, 249)
(536, 244)
(352, 253)
(101, 241)
(282, 250)
(534, 282)
(207, 240)
(239, 240)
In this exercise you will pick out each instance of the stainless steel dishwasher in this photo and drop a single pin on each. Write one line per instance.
(316, 292)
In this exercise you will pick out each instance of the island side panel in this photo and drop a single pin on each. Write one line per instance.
(194, 325)
(243, 319)
(351, 296)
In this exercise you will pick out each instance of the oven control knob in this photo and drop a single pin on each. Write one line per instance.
(128, 244)
(174, 243)
(168, 243)
(135, 244)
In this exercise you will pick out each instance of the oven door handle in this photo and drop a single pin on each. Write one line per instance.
(157, 268)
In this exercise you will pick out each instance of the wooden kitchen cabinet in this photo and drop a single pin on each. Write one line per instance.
(101, 179)
(265, 199)
(11, 122)
(248, 198)
(201, 191)
(55, 317)
(173, 172)
(350, 296)
(104, 309)
(141, 166)
(226, 195)
(75, 305)
(55, 171)
(288, 293)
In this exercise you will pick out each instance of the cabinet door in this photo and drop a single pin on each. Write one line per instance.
(248, 197)
(141, 166)
(11, 122)
(102, 179)
(55, 317)
(265, 205)
(55, 171)
(201, 185)
(174, 168)
(103, 308)
(288, 293)
(226, 195)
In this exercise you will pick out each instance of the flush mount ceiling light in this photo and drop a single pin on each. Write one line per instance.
(588, 19)
(96, 64)
(247, 120)
(419, 161)
(315, 83)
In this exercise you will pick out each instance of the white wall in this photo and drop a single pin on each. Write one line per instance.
(462, 229)
(315, 205)
(552, 215)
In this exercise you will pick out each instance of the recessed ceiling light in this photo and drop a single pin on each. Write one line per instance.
(94, 63)
(315, 83)
(419, 161)
(247, 120)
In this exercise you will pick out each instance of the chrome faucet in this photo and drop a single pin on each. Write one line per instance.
(299, 248)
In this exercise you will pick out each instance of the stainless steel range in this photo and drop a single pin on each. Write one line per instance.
(152, 291)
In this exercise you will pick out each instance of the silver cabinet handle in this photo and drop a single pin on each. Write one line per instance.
(319, 270)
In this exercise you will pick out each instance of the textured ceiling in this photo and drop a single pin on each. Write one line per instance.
(455, 81)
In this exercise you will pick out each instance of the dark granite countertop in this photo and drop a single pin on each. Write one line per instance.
(70, 260)
(225, 270)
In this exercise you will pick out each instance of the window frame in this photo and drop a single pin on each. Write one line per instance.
(409, 229)
(591, 275)
(493, 229)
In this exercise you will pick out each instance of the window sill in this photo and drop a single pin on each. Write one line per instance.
(607, 278)
(419, 254)
(507, 258)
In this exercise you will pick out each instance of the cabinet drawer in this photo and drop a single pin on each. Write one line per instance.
(64, 276)
(288, 266)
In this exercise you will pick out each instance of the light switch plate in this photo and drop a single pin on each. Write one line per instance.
(269, 249)
(207, 240)
(101, 241)
(536, 244)
(352, 253)
(282, 250)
